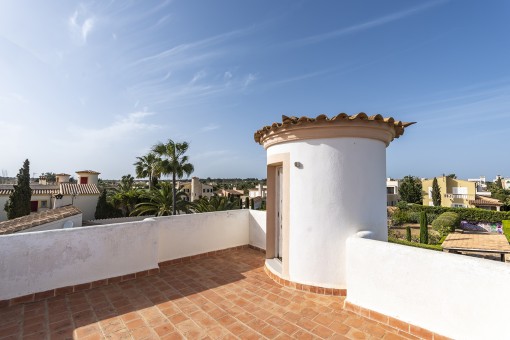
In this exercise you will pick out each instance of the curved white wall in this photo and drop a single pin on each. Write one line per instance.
(338, 191)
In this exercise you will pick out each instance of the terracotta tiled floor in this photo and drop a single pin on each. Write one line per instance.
(219, 297)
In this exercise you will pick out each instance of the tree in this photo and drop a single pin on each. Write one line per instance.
(148, 166)
(436, 193)
(125, 195)
(424, 231)
(174, 162)
(160, 202)
(247, 202)
(105, 209)
(452, 176)
(215, 203)
(499, 183)
(408, 233)
(19, 200)
(410, 190)
(50, 177)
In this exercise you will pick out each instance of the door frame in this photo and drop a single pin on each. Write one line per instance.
(273, 163)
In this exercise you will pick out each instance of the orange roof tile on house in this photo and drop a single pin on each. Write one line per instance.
(485, 201)
(294, 123)
(37, 219)
(78, 189)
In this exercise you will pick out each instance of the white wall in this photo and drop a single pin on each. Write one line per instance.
(453, 295)
(257, 223)
(86, 203)
(339, 190)
(39, 261)
(186, 235)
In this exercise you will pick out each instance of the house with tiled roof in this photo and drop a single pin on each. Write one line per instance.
(58, 218)
(45, 196)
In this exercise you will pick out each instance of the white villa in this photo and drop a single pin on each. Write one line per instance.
(46, 196)
(319, 265)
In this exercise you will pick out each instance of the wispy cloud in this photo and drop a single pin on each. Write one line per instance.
(210, 127)
(367, 25)
(250, 78)
(199, 75)
(81, 25)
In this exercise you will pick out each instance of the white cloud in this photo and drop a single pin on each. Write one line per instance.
(199, 75)
(210, 127)
(82, 25)
(227, 75)
(250, 78)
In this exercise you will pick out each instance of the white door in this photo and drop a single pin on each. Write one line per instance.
(279, 208)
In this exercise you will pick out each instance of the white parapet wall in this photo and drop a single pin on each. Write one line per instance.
(187, 235)
(453, 295)
(44, 260)
(257, 228)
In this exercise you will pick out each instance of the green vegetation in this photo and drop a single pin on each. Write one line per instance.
(446, 223)
(410, 190)
(148, 166)
(104, 209)
(408, 233)
(506, 229)
(424, 231)
(18, 204)
(174, 162)
(436, 247)
(215, 203)
(407, 214)
(499, 193)
(160, 202)
(436, 193)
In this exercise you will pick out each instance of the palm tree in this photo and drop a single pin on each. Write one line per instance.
(174, 162)
(160, 202)
(215, 203)
(148, 166)
(125, 196)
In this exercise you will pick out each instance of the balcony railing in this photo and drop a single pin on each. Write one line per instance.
(460, 196)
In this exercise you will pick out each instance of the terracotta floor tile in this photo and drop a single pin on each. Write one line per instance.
(224, 296)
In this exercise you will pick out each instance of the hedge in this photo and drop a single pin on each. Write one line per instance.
(465, 214)
(446, 223)
(436, 247)
(506, 229)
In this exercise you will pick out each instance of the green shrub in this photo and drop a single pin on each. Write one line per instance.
(465, 214)
(506, 229)
(417, 245)
(408, 233)
(424, 231)
(446, 223)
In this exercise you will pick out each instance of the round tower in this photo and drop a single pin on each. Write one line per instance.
(325, 182)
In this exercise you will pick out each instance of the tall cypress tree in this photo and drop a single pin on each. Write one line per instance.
(436, 193)
(424, 231)
(19, 201)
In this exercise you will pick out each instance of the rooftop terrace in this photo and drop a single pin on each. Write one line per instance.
(219, 297)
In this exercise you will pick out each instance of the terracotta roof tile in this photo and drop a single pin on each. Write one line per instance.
(88, 172)
(78, 189)
(487, 201)
(34, 220)
(288, 122)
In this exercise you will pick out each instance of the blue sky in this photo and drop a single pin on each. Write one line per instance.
(92, 85)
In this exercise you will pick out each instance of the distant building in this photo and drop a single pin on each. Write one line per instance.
(481, 186)
(259, 191)
(230, 192)
(46, 196)
(504, 181)
(458, 193)
(392, 195)
(196, 189)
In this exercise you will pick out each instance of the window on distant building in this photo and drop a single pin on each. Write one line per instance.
(44, 204)
(84, 180)
(390, 190)
(458, 205)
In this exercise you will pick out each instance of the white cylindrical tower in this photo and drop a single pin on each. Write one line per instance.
(326, 181)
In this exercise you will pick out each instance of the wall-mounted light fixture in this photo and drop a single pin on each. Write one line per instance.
(298, 165)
